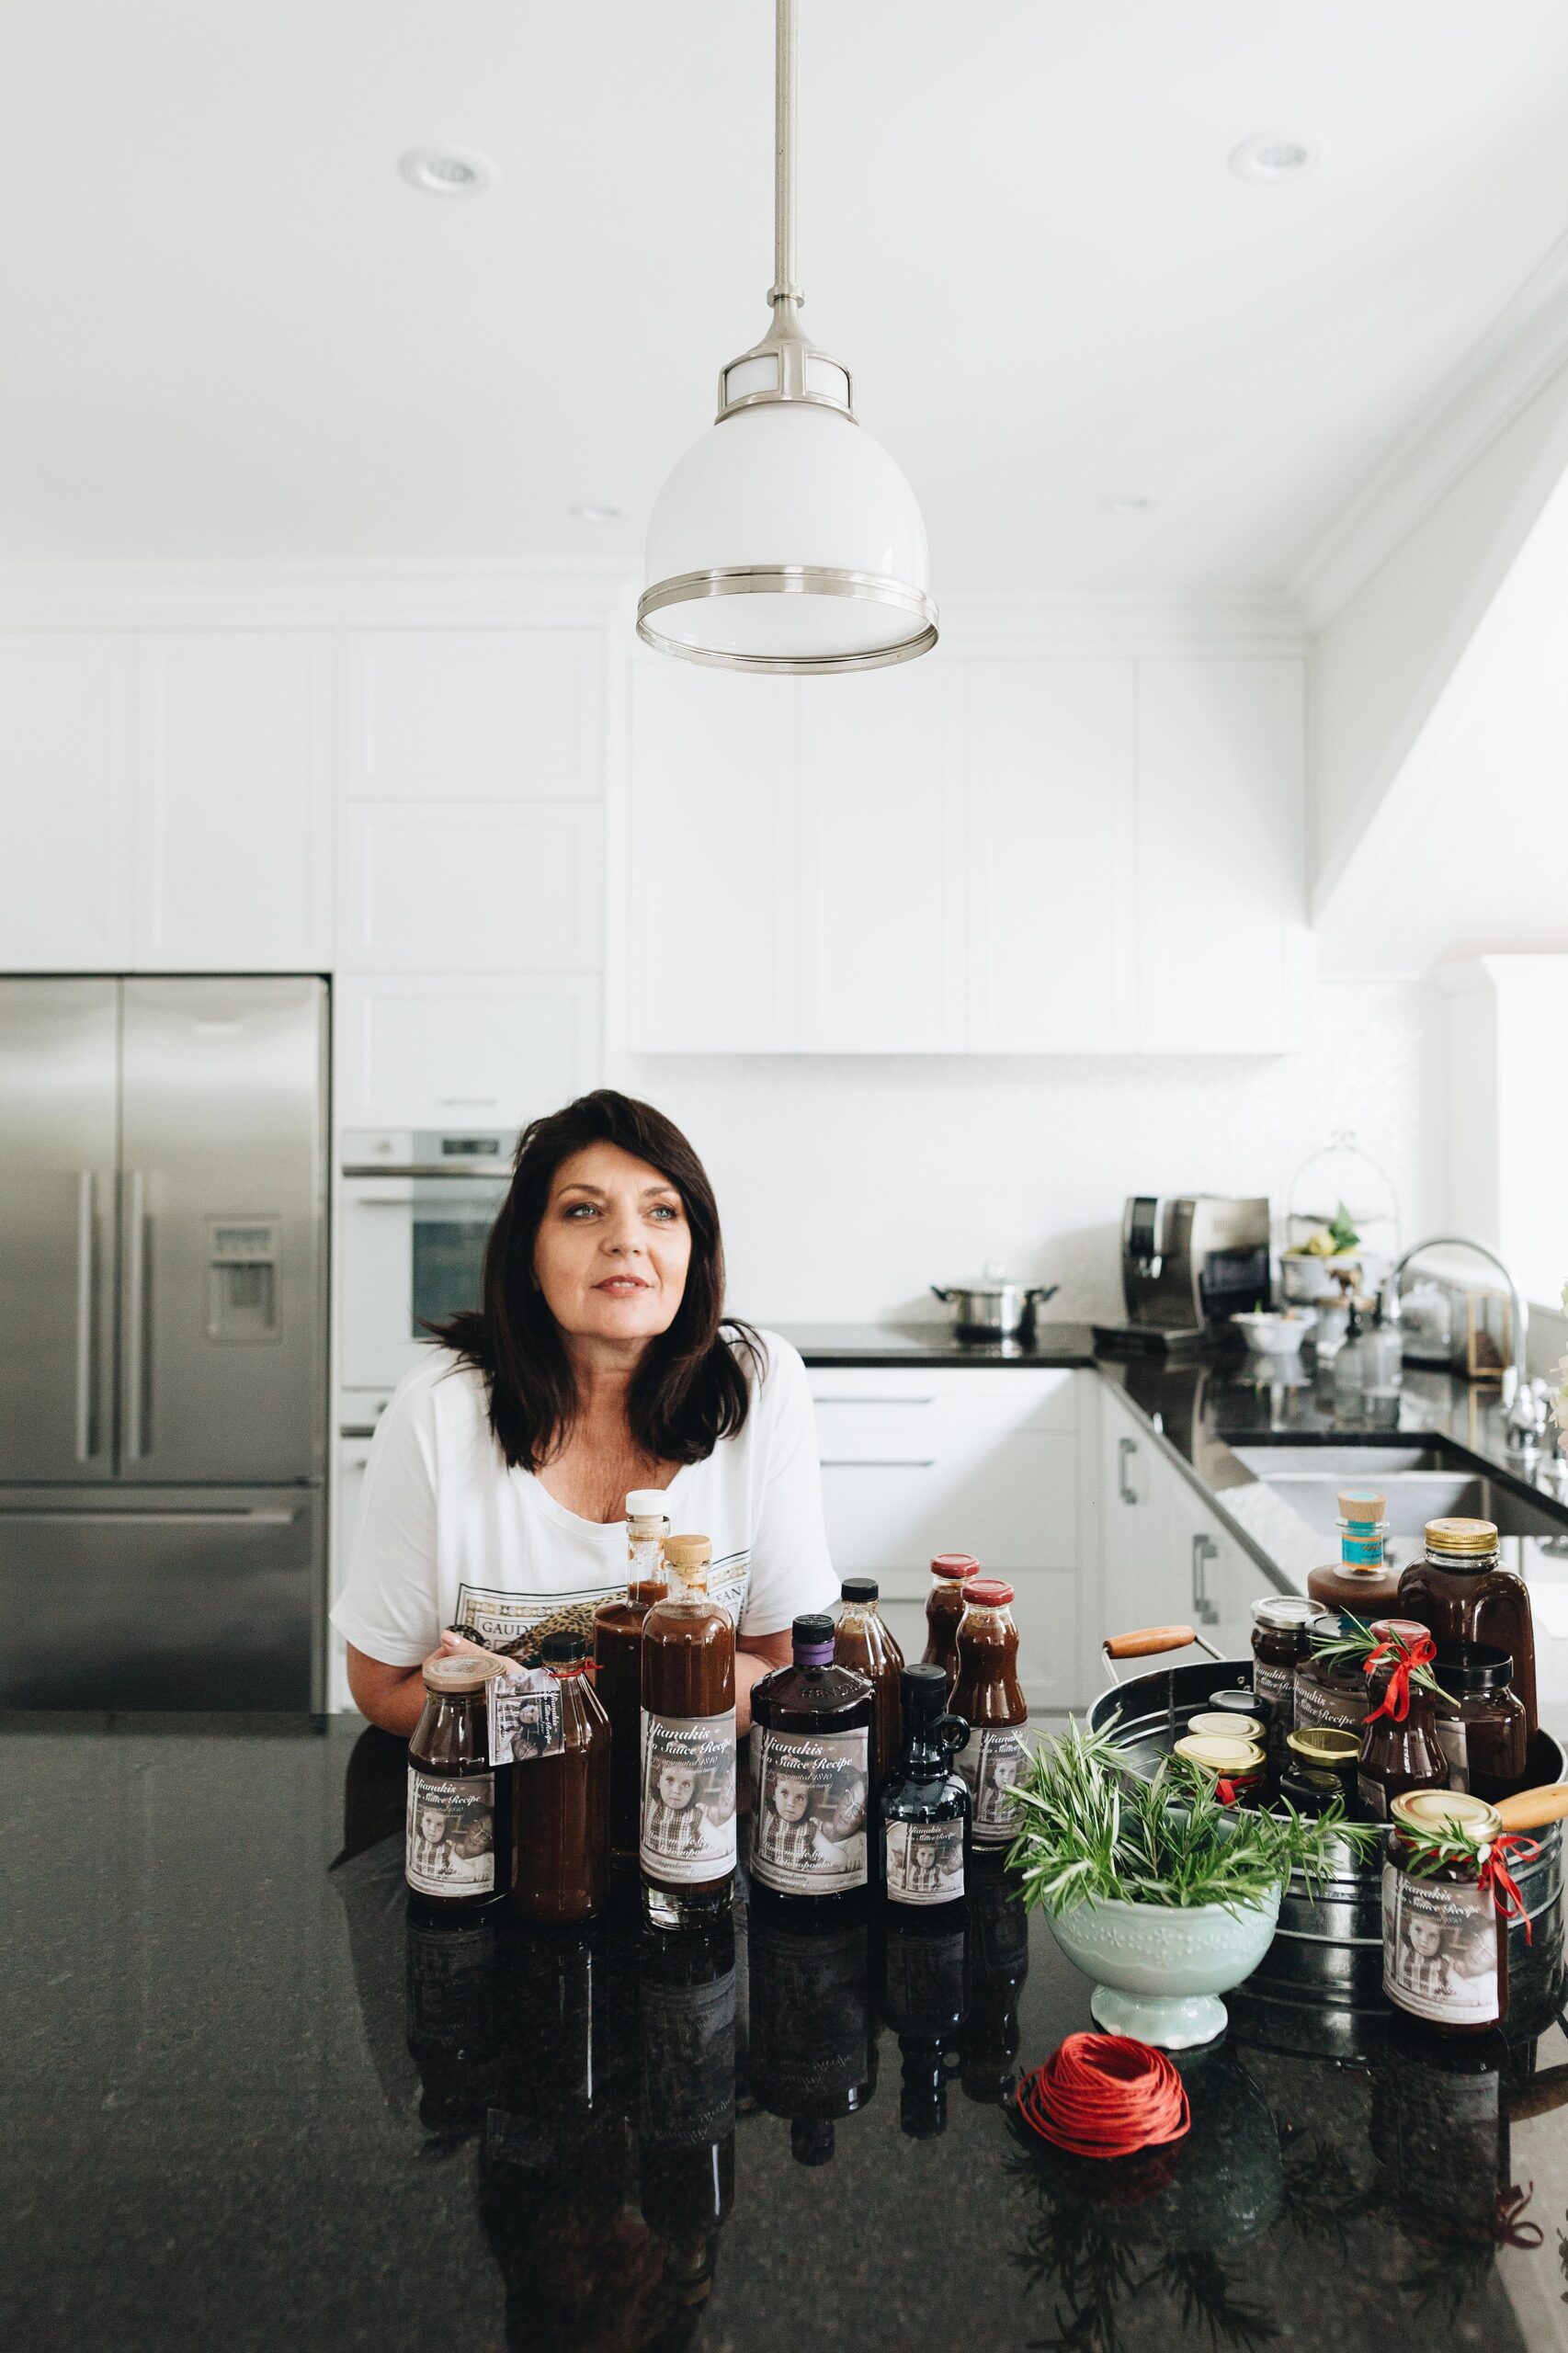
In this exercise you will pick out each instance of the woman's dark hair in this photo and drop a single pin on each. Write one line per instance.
(691, 1387)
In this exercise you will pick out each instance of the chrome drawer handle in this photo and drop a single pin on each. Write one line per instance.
(1125, 1448)
(1204, 1550)
(878, 1461)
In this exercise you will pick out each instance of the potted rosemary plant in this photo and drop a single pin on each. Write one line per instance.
(1163, 1894)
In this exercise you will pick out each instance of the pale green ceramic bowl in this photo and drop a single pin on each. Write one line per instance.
(1158, 1968)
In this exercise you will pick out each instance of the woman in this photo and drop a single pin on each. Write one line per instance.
(599, 1361)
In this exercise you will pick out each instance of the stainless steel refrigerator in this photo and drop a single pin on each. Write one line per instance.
(163, 1343)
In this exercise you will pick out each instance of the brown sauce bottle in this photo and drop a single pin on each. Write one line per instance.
(686, 1834)
(1445, 1943)
(1461, 1592)
(617, 1661)
(944, 1607)
(1483, 1733)
(863, 1641)
(990, 1699)
(561, 1804)
(1398, 1754)
(449, 1847)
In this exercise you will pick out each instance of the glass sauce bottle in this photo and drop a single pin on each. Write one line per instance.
(1483, 1735)
(810, 1734)
(561, 1804)
(864, 1643)
(1463, 1594)
(1360, 1580)
(450, 1844)
(1398, 1754)
(950, 1573)
(1445, 1943)
(990, 1699)
(617, 1658)
(687, 1835)
(925, 1807)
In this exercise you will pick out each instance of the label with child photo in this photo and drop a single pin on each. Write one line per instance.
(450, 1847)
(1441, 1949)
(809, 1793)
(688, 1797)
(925, 1862)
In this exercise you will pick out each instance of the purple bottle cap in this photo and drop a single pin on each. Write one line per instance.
(812, 1638)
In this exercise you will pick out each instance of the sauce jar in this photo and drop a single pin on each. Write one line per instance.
(990, 1699)
(1240, 1765)
(1310, 1789)
(1228, 1724)
(1483, 1735)
(561, 1838)
(1398, 1753)
(1462, 1593)
(1325, 1748)
(1281, 1625)
(951, 1572)
(450, 1843)
(1331, 1691)
(1445, 1940)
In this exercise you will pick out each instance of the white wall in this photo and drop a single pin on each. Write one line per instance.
(846, 1185)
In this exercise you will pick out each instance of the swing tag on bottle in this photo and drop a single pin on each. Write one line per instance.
(525, 1714)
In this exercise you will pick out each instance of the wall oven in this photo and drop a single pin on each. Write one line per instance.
(417, 1206)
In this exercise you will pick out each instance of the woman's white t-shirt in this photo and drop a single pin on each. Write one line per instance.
(449, 1535)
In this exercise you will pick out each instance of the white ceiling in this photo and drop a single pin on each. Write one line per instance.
(230, 330)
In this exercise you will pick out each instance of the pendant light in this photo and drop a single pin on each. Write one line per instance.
(787, 539)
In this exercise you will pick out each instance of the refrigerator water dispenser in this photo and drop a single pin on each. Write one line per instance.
(243, 1280)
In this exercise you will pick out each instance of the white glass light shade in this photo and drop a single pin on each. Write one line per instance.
(787, 537)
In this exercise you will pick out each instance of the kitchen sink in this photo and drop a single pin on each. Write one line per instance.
(1419, 1485)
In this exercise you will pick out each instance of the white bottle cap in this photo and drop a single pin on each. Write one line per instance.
(647, 1503)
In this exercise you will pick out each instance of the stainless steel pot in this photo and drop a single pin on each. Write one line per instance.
(995, 1307)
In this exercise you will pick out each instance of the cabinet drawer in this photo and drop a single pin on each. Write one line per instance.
(862, 1397)
(894, 1501)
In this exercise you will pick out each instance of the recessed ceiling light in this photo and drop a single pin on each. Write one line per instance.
(1131, 506)
(586, 512)
(448, 171)
(1274, 156)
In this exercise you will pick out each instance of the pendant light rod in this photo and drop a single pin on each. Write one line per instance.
(784, 289)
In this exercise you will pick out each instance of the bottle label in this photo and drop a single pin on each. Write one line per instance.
(1439, 1948)
(1315, 1704)
(1361, 1552)
(450, 1837)
(688, 1797)
(925, 1862)
(1278, 1686)
(525, 1714)
(1374, 1798)
(809, 1795)
(1453, 1739)
(997, 1758)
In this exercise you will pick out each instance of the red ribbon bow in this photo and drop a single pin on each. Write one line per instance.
(1496, 1876)
(1395, 1701)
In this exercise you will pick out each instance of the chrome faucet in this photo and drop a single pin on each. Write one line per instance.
(1524, 1418)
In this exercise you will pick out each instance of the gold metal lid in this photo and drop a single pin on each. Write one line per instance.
(1329, 1745)
(458, 1672)
(1428, 1812)
(1218, 1756)
(1461, 1537)
(688, 1551)
(1219, 1724)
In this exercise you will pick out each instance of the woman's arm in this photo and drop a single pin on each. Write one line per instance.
(755, 1657)
(393, 1696)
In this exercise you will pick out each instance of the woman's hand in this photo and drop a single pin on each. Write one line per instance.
(393, 1697)
(459, 1646)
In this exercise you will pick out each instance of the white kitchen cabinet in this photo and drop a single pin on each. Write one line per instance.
(1167, 1558)
(65, 803)
(233, 802)
(434, 1051)
(882, 862)
(1052, 750)
(474, 715)
(486, 886)
(711, 954)
(1221, 869)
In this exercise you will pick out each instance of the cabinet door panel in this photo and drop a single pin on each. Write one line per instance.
(863, 1397)
(1052, 929)
(65, 803)
(882, 862)
(430, 1050)
(474, 715)
(233, 742)
(894, 1501)
(711, 888)
(498, 887)
(1221, 856)
(1045, 1610)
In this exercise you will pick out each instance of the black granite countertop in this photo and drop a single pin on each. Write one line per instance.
(927, 1345)
(249, 2103)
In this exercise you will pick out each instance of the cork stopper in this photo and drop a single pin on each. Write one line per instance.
(1461, 1539)
(1362, 1507)
(688, 1558)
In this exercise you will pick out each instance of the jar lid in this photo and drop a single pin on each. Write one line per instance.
(1224, 1723)
(460, 1673)
(1287, 1612)
(1400, 1630)
(1362, 1507)
(1241, 1703)
(1472, 1666)
(1459, 1536)
(1311, 1785)
(1430, 1811)
(1325, 1744)
(1217, 1754)
(647, 1503)
(562, 1649)
(988, 1593)
(955, 1567)
(859, 1589)
(688, 1551)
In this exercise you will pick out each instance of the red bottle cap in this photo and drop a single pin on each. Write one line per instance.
(988, 1593)
(954, 1566)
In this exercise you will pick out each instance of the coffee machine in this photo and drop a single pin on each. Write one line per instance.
(1189, 1262)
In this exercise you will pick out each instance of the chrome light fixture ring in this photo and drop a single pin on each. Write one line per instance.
(790, 580)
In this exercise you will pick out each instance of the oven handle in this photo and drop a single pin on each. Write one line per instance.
(497, 1171)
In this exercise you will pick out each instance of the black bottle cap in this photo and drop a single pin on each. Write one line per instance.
(814, 1631)
(1241, 1703)
(925, 1691)
(859, 1589)
(560, 1650)
(1472, 1666)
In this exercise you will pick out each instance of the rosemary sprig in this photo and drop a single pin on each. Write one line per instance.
(1085, 1831)
(1346, 1650)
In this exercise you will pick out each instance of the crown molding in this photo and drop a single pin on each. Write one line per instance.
(1121, 622)
(363, 594)
(1521, 352)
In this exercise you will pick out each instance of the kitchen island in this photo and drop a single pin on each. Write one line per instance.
(250, 2101)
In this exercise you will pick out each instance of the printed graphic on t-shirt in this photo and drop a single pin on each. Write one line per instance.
(809, 1792)
(1439, 1948)
(688, 1797)
(925, 1862)
(451, 1832)
(517, 1623)
(993, 1761)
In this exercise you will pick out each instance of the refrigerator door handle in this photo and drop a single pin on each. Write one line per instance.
(217, 1519)
(136, 1367)
(86, 1319)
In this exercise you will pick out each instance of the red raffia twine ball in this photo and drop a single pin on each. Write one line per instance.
(1105, 2095)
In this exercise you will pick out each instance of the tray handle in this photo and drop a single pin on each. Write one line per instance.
(1533, 1809)
(1148, 1641)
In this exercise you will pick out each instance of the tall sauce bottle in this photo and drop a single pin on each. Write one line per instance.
(561, 1804)
(1361, 1580)
(450, 1847)
(990, 1699)
(686, 1834)
(618, 1660)
(951, 1572)
(811, 1732)
(1463, 1594)
(862, 1641)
